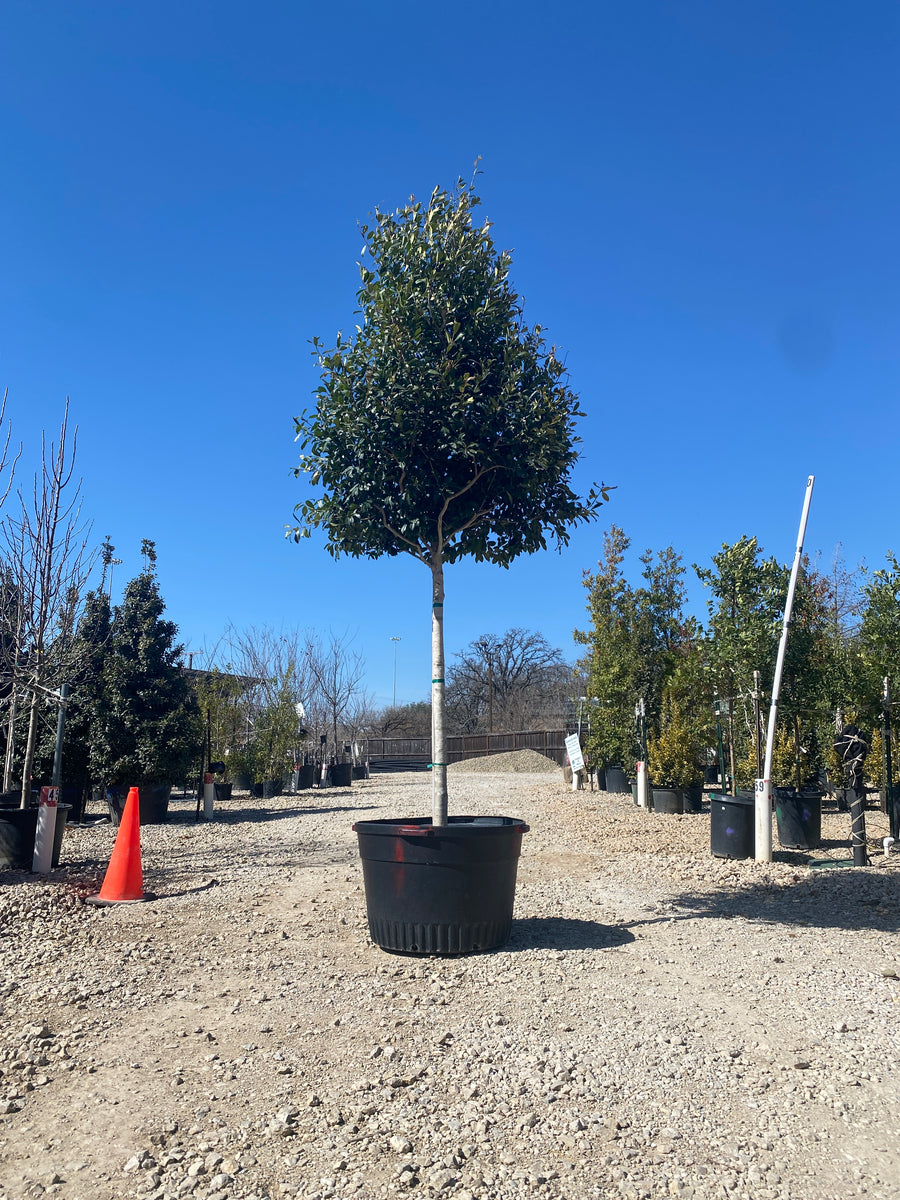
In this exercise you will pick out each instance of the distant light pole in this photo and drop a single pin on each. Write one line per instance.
(395, 640)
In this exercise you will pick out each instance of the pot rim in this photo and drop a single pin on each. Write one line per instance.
(423, 827)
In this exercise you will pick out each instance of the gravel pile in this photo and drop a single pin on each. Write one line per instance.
(661, 1023)
(517, 762)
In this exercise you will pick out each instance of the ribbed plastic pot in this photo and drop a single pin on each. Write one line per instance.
(271, 788)
(444, 889)
(732, 826)
(616, 780)
(799, 817)
(668, 800)
(306, 777)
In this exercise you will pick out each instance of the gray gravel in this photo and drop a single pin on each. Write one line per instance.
(661, 1023)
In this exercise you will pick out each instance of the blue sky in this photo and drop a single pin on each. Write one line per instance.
(702, 202)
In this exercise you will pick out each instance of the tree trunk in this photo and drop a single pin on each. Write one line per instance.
(29, 749)
(438, 689)
(10, 739)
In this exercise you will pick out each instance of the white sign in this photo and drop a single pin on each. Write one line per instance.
(573, 749)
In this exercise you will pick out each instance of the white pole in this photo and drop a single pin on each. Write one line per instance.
(209, 796)
(643, 791)
(395, 640)
(42, 859)
(764, 785)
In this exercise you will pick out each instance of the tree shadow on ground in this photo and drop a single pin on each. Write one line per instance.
(828, 898)
(565, 933)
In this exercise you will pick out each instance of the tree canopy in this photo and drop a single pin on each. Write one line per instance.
(445, 424)
(148, 727)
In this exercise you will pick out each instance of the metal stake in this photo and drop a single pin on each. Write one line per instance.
(764, 784)
(60, 727)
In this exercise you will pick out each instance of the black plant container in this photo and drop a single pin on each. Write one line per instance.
(668, 800)
(440, 889)
(153, 799)
(17, 830)
(341, 774)
(616, 780)
(733, 825)
(799, 818)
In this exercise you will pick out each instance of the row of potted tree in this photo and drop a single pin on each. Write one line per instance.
(703, 685)
(132, 719)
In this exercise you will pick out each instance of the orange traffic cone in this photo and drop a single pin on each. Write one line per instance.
(124, 879)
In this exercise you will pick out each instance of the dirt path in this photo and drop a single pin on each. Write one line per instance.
(660, 1023)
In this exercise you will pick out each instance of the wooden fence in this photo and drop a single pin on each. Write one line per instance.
(549, 742)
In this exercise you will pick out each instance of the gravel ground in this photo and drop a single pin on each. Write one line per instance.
(661, 1023)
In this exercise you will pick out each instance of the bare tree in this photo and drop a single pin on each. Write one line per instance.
(509, 682)
(337, 671)
(359, 719)
(9, 605)
(274, 672)
(403, 720)
(46, 546)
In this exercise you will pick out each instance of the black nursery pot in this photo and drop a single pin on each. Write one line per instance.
(153, 802)
(444, 889)
(799, 818)
(733, 825)
(341, 775)
(616, 779)
(668, 800)
(17, 832)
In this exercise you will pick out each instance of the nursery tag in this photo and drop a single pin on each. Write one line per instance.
(573, 749)
(46, 827)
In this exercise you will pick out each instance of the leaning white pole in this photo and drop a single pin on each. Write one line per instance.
(764, 785)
